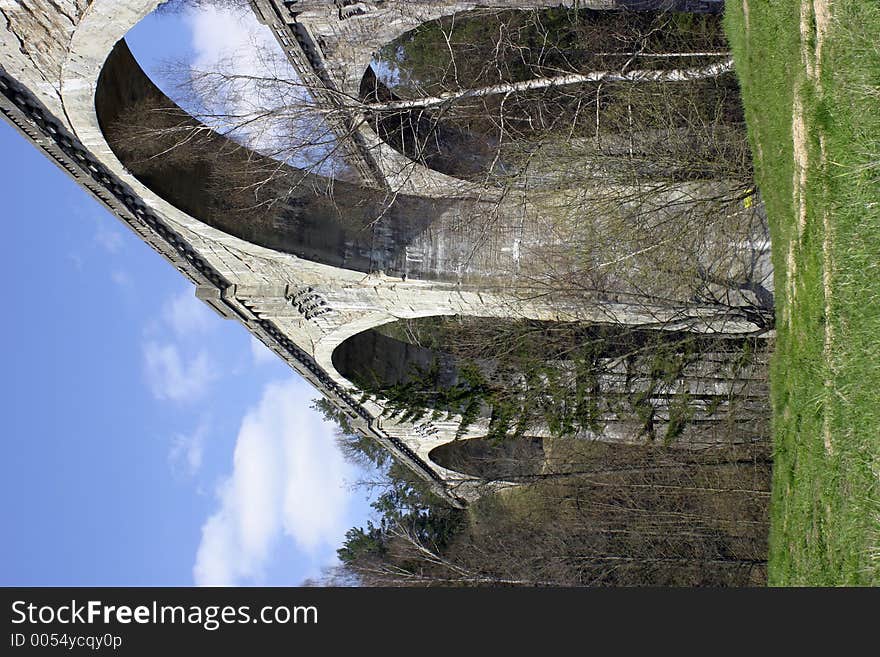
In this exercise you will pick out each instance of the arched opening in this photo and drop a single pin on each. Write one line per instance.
(256, 198)
(608, 382)
(530, 459)
(512, 459)
(513, 94)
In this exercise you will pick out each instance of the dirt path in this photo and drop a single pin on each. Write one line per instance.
(815, 22)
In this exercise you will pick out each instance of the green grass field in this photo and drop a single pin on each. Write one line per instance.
(810, 78)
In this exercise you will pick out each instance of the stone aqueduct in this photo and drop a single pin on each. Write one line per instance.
(302, 292)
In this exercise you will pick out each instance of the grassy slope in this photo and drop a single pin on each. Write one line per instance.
(825, 510)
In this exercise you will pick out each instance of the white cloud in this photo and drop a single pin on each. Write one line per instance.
(173, 377)
(110, 239)
(186, 315)
(177, 364)
(187, 450)
(261, 353)
(288, 480)
(222, 33)
(77, 260)
(266, 107)
(237, 45)
(120, 278)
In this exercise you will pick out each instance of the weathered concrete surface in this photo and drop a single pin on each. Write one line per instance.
(52, 54)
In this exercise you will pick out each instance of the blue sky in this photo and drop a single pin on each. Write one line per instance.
(147, 441)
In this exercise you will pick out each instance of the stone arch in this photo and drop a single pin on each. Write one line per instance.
(329, 222)
(610, 383)
(356, 39)
(443, 144)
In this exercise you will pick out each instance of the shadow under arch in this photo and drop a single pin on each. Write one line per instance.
(529, 459)
(423, 136)
(253, 197)
(373, 360)
(510, 459)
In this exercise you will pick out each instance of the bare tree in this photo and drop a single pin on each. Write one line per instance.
(637, 518)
